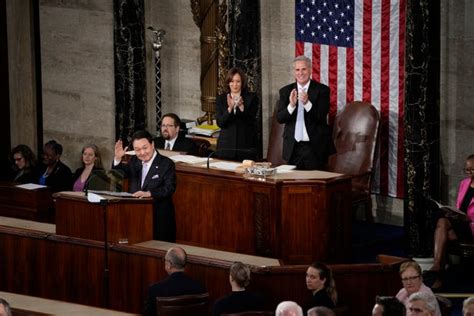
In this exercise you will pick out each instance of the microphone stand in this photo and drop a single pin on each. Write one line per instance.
(104, 204)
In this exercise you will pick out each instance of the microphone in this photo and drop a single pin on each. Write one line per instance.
(239, 150)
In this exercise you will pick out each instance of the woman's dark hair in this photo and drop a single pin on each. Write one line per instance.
(391, 305)
(55, 146)
(329, 283)
(27, 153)
(231, 73)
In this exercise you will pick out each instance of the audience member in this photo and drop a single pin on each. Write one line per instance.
(177, 283)
(321, 311)
(151, 175)
(240, 300)
(236, 112)
(321, 283)
(449, 227)
(388, 306)
(288, 308)
(24, 168)
(54, 173)
(90, 160)
(171, 138)
(412, 281)
(303, 107)
(422, 304)
(468, 306)
(5, 309)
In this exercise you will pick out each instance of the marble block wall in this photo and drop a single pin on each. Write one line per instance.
(78, 76)
(457, 93)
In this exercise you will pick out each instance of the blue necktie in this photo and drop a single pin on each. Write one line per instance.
(299, 122)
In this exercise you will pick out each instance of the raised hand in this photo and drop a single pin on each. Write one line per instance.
(293, 97)
(119, 151)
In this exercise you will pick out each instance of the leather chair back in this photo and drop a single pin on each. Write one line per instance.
(355, 135)
(202, 146)
(182, 305)
(275, 143)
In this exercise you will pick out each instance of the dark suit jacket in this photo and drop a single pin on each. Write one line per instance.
(315, 120)
(321, 298)
(29, 176)
(238, 302)
(175, 284)
(238, 131)
(182, 143)
(161, 182)
(59, 179)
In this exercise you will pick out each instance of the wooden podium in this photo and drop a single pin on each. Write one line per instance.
(298, 217)
(129, 220)
(36, 204)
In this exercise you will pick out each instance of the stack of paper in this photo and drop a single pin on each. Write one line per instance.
(204, 129)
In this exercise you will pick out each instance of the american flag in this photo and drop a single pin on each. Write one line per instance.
(357, 48)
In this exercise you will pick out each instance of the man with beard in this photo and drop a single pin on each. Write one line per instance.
(171, 138)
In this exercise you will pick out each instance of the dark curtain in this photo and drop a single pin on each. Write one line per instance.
(422, 123)
(129, 58)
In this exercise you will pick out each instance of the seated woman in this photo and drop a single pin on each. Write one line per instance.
(320, 281)
(412, 281)
(240, 300)
(236, 113)
(90, 160)
(54, 173)
(455, 228)
(25, 165)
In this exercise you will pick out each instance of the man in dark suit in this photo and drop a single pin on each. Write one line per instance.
(303, 107)
(177, 283)
(151, 175)
(171, 138)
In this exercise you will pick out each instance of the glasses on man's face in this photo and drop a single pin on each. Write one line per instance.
(415, 310)
(410, 279)
(469, 170)
(167, 126)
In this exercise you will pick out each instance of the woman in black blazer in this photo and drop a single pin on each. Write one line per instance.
(236, 113)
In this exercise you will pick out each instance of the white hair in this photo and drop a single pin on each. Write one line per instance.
(465, 305)
(428, 298)
(288, 308)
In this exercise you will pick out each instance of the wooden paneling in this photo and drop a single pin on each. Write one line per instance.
(298, 221)
(72, 269)
(27, 204)
(127, 219)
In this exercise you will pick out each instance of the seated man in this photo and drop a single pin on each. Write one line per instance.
(388, 306)
(177, 283)
(288, 308)
(422, 303)
(171, 138)
(321, 311)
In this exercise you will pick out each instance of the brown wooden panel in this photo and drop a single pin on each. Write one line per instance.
(290, 219)
(72, 269)
(28, 204)
(129, 219)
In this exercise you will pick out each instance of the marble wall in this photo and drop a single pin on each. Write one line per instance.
(457, 92)
(77, 65)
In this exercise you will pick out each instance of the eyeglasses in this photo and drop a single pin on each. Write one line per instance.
(167, 126)
(415, 310)
(413, 278)
(469, 170)
(18, 159)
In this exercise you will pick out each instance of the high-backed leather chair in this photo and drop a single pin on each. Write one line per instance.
(445, 305)
(202, 146)
(355, 135)
(275, 143)
(182, 305)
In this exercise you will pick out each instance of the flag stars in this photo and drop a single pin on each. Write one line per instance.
(324, 35)
(308, 25)
(348, 39)
(330, 13)
(348, 23)
(324, 20)
(319, 11)
(313, 18)
(325, 4)
(342, 14)
(341, 30)
(313, 34)
(330, 29)
(336, 6)
(348, 7)
(302, 31)
(318, 27)
(336, 38)
(302, 16)
(336, 22)
(307, 9)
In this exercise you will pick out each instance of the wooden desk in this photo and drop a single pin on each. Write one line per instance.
(34, 204)
(128, 219)
(295, 217)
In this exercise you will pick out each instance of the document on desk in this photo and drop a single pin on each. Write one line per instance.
(188, 159)
(30, 186)
(285, 168)
(112, 193)
(225, 165)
